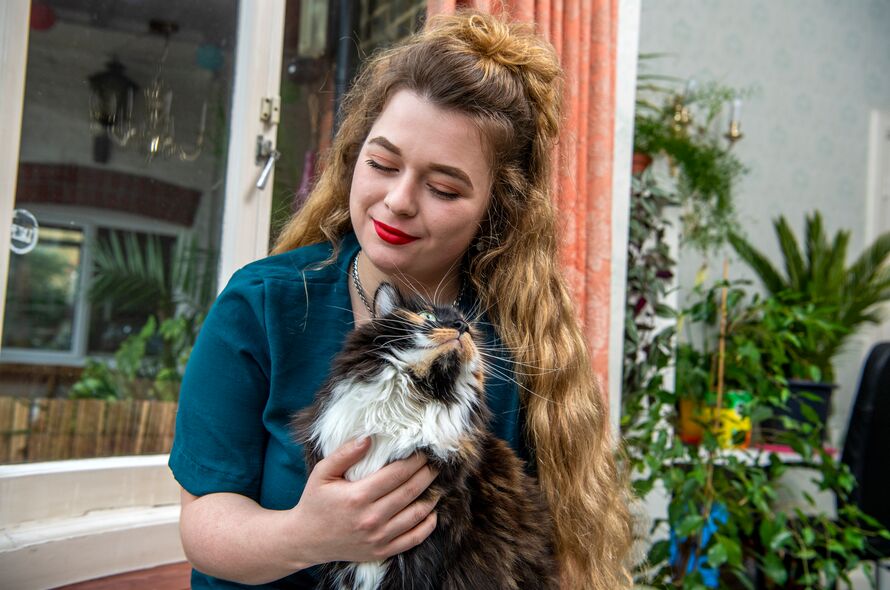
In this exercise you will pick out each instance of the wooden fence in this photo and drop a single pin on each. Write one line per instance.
(52, 429)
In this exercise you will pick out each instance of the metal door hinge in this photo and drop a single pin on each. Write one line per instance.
(270, 110)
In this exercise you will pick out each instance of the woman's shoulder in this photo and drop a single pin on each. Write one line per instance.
(313, 263)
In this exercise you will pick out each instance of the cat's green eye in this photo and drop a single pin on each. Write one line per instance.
(428, 316)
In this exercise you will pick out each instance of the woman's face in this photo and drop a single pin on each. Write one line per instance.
(421, 185)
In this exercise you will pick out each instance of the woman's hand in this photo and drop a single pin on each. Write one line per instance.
(366, 520)
(232, 537)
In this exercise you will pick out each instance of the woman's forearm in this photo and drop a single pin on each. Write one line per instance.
(230, 536)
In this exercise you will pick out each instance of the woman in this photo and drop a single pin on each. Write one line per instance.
(438, 181)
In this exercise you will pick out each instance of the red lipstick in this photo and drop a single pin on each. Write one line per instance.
(391, 235)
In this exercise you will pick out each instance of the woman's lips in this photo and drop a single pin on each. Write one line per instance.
(391, 235)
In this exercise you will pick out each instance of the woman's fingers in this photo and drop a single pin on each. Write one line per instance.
(412, 537)
(339, 462)
(394, 476)
(408, 519)
(394, 502)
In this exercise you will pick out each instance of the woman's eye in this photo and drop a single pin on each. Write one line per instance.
(444, 194)
(428, 316)
(378, 166)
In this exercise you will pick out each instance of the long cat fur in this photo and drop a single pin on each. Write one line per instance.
(413, 384)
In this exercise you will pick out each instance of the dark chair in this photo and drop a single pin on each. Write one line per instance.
(867, 447)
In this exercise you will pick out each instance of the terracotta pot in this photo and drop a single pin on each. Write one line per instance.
(641, 161)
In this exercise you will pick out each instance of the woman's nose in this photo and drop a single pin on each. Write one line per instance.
(401, 199)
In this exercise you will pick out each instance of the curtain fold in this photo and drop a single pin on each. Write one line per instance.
(584, 34)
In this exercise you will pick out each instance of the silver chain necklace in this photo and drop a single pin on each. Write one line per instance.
(363, 296)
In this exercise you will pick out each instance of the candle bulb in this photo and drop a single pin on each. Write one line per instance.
(736, 111)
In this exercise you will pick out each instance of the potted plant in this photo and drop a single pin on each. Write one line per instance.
(726, 527)
(704, 167)
(723, 527)
(818, 276)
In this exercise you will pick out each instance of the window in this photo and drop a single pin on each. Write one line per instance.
(51, 315)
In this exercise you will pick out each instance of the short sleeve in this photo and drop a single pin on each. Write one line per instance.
(220, 437)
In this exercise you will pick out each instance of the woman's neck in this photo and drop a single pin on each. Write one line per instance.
(443, 290)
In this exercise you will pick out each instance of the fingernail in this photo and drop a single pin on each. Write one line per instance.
(360, 442)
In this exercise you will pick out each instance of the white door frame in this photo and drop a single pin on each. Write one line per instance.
(245, 231)
(878, 195)
(14, 15)
(245, 237)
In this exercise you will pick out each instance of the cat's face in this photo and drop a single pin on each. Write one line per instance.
(432, 345)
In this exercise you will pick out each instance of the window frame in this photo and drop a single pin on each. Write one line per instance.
(89, 221)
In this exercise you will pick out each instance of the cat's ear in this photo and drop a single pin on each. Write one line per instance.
(386, 299)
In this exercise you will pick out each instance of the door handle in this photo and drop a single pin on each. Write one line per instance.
(267, 169)
(265, 150)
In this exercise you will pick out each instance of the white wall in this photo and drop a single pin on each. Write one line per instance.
(817, 68)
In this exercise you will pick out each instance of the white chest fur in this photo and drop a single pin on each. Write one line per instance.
(389, 412)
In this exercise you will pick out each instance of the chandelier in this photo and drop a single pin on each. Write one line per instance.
(154, 133)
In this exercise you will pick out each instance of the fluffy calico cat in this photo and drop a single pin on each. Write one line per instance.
(412, 379)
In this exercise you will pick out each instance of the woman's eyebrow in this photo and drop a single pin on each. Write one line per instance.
(451, 171)
(385, 144)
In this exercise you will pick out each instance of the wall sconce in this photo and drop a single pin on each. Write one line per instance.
(682, 119)
(735, 122)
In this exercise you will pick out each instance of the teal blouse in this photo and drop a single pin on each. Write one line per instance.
(264, 350)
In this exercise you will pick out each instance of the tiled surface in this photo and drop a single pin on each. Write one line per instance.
(165, 577)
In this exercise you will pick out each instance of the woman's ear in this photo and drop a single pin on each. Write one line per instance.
(386, 299)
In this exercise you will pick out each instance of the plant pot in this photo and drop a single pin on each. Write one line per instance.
(641, 161)
(691, 420)
(822, 391)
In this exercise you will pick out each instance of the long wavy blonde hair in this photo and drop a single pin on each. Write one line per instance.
(508, 80)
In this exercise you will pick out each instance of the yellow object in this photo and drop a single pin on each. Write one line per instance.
(731, 425)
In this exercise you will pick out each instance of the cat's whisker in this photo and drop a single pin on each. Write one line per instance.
(492, 347)
(540, 370)
(349, 309)
(414, 285)
(499, 373)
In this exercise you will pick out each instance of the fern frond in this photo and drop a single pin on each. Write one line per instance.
(794, 263)
(873, 260)
(770, 277)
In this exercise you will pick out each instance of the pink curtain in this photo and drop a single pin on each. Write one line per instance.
(584, 34)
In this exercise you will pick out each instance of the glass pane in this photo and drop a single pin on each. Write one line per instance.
(42, 292)
(125, 302)
(124, 139)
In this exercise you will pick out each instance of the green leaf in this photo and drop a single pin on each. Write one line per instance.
(659, 552)
(732, 548)
(775, 569)
(690, 524)
(780, 539)
(717, 555)
(759, 263)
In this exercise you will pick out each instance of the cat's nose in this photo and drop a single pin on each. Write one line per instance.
(460, 325)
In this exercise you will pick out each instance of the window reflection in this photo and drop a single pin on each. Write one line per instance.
(41, 295)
